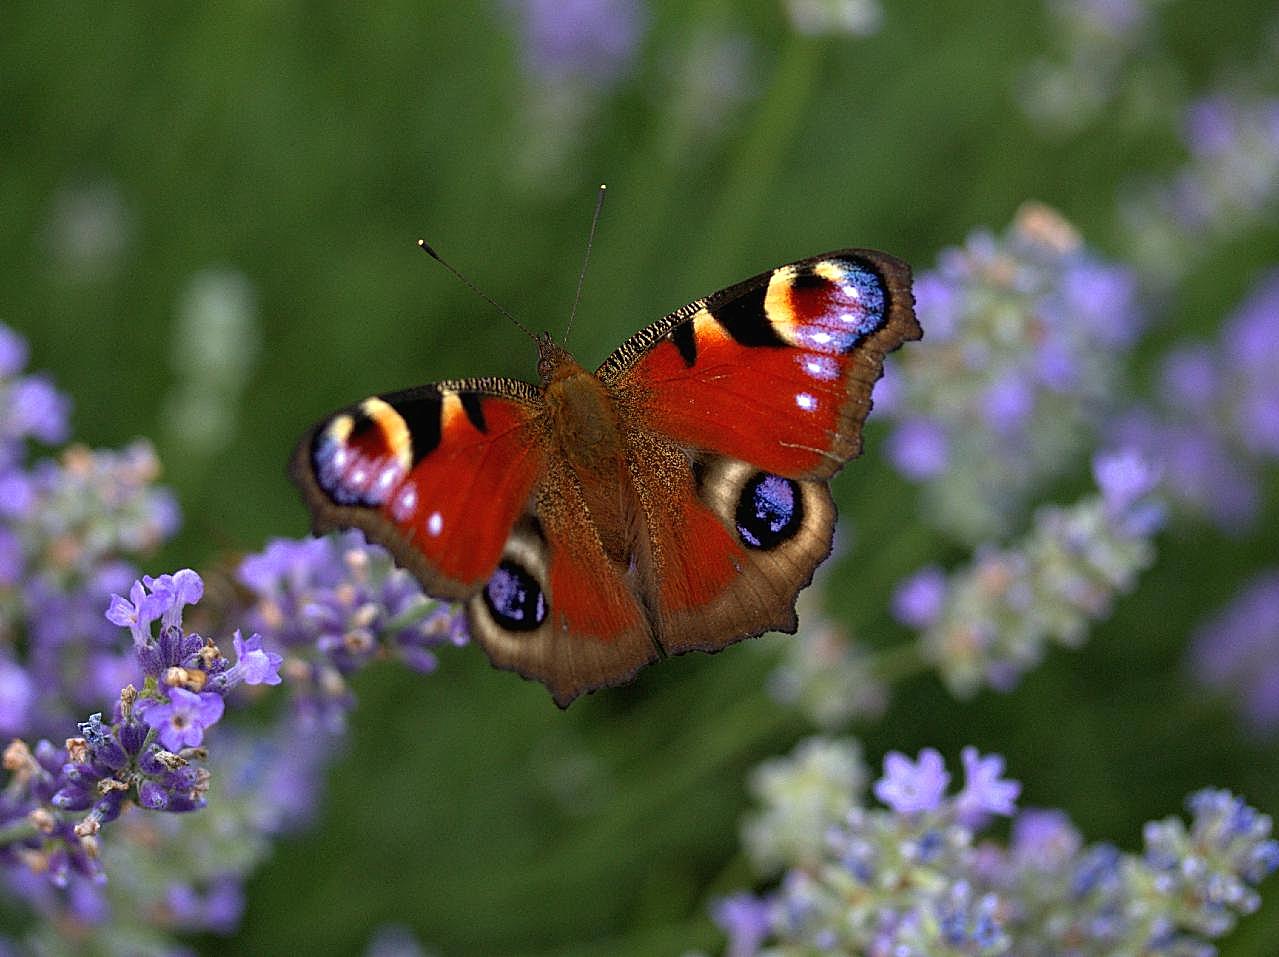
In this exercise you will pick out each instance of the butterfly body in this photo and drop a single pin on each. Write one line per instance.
(675, 499)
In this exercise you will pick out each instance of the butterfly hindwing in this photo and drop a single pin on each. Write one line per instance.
(558, 609)
(731, 546)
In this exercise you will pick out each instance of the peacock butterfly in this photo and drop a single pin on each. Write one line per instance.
(677, 499)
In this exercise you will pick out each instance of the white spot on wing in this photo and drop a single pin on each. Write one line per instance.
(435, 524)
(405, 504)
(806, 402)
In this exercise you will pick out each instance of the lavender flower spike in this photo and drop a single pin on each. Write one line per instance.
(894, 881)
(993, 618)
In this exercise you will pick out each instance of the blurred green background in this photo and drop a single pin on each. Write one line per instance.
(304, 148)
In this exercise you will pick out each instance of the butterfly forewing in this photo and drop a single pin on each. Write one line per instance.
(776, 370)
(437, 474)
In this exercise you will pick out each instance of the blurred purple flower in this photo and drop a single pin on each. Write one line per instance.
(254, 665)
(1220, 423)
(37, 409)
(588, 40)
(1044, 840)
(1237, 650)
(1127, 479)
(13, 352)
(918, 600)
(984, 792)
(1025, 340)
(990, 621)
(744, 918)
(910, 787)
(1229, 184)
(1210, 126)
(1103, 296)
(17, 693)
(1189, 378)
(919, 449)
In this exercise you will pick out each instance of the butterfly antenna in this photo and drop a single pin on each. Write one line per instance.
(427, 248)
(590, 239)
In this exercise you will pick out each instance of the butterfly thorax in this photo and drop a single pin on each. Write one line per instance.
(588, 433)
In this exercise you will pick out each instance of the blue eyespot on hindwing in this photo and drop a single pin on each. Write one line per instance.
(515, 599)
(770, 511)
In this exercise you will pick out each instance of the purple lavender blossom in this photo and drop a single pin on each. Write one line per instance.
(38, 410)
(1237, 650)
(13, 352)
(183, 719)
(254, 665)
(919, 449)
(1230, 183)
(898, 881)
(344, 599)
(17, 693)
(913, 787)
(579, 40)
(745, 919)
(1219, 425)
(989, 622)
(1027, 335)
(918, 600)
(984, 792)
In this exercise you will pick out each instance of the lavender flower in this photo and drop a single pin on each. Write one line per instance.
(69, 530)
(182, 720)
(827, 675)
(745, 919)
(984, 792)
(343, 602)
(913, 787)
(996, 616)
(1229, 183)
(1217, 425)
(913, 879)
(254, 664)
(802, 795)
(591, 41)
(1237, 651)
(1027, 335)
(1107, 50)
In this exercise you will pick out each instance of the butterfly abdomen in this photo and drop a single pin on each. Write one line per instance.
(587, 430)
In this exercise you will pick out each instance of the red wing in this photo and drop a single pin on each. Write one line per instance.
(457, 480)
(776, 371)
(437, 474)
(559, 610)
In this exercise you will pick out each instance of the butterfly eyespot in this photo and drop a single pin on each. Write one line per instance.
(515, 599)
(770, 511)
(826, 308)
(361, 456)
